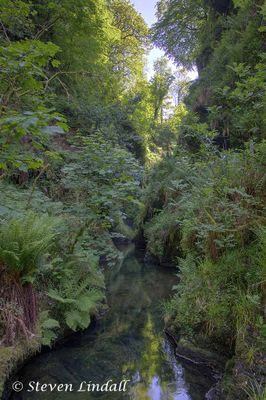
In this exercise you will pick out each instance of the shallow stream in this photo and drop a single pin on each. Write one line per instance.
(127, 343)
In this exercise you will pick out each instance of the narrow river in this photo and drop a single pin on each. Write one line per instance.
(127, 343)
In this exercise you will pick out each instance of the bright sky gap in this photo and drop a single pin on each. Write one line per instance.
(147, 8)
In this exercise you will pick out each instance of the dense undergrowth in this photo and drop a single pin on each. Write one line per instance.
(209, 213)
(61, 248)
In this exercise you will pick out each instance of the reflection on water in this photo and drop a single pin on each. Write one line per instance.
(128, 343)
(151, 380)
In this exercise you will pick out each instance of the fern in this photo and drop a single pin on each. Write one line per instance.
(24, 242)
(89, 300)
(48, 328)
(53, 294)
(50, 324)
(76, 298)
(76, 319)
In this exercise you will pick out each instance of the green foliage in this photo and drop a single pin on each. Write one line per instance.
(160, 85)
(223, 301)
(26, 124)
(225, 41)
(77, 296)
(206, 205)
(49, 328)
(15, 18)
(76, 112)
(22, 71)
(24, 143)
(177, 28)
(216, 200)
(243, 105)
(194, 135)
(103, 188)
(14, 203)
(208, 209)
(88, 81)
(24, 244)
(76, 285)
(131, 42)
(212, 206)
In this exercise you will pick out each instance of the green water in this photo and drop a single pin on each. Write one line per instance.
(127, 343)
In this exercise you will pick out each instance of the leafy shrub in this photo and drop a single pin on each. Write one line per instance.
(101, 192)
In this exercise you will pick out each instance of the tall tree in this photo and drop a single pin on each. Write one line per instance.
(160, 85)
(127, 52)
(178, 27)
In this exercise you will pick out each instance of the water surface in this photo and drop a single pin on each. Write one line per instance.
(127, 343)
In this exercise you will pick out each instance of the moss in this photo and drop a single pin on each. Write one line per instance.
(11, 358)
